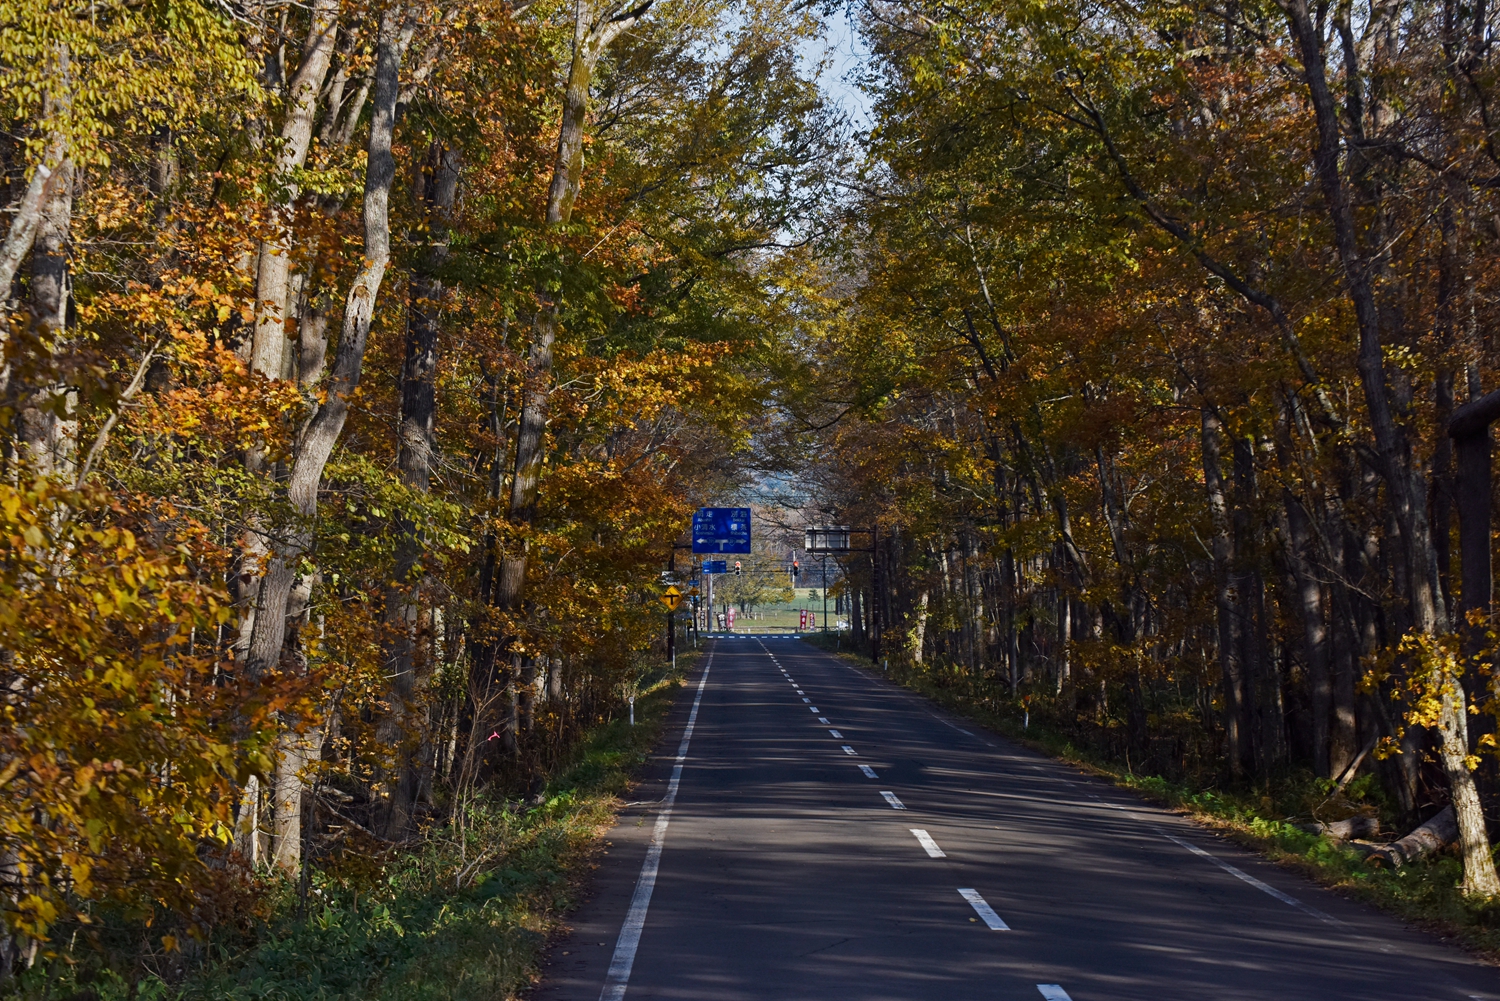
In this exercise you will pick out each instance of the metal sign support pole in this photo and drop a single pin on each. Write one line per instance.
(672, 616)
(824, 569)
(876, 623)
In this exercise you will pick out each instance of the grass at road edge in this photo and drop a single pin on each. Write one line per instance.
(462, 915)
(1425, 894)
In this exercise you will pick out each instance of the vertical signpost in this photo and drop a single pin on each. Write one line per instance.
(828, 540)
(823, 567)
(672, 597)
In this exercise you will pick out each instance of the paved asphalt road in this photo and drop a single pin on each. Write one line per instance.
(833, 838)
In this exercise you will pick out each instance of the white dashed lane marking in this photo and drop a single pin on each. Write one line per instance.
(1052, 992)
(850, 750)
(836, 735)
(930, 845)
(890, 798)
(985, 911)
(869, 772)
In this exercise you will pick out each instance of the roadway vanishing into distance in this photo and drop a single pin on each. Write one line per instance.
(812, 832)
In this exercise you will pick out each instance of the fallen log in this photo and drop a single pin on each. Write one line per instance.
(1438, 832)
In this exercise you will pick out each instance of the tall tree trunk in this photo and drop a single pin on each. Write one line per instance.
(416, 445)
(594, 29)
(919, 626)
(1232, 676)
(269, 633)
(21, 233)
(46, 425)
(1251, 609)
(1314, 630)
(268, 349)
(856, 620)
(1403, 477)
(47, 422)
(1064, 642)
(1469, 427)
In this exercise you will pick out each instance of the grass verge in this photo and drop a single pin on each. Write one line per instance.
(462, 915)
(1425, 894)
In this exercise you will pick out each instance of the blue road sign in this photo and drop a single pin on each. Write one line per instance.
(721, 530)
(715, 566)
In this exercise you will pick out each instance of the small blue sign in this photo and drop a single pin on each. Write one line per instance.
(715, 566)
(721, 530)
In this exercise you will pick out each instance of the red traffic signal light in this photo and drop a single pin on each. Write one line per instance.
(736, 568)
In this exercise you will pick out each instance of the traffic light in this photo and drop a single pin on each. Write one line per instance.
(796, 571)
(736, 568)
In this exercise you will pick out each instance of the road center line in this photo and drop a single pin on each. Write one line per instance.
(869, 772)
(931, 846)
(890, 798)
(618, 977)
(1263, 887)
(984, 910)
(1052, 992)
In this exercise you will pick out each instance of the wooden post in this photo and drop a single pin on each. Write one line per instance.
(1469, 427)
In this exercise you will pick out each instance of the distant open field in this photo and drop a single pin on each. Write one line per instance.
(781, 618)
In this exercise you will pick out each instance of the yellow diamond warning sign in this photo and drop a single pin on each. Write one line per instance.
(671, 597)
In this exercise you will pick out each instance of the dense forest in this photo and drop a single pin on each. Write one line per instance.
(1161, 366)
(363, 363)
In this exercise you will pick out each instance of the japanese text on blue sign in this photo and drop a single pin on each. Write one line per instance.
(721, 530)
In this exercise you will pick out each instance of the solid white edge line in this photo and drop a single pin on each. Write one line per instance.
(1263, 887)
(929, 845)
(1053, 992)
(984, 910)
(892, 799)
(618, 977)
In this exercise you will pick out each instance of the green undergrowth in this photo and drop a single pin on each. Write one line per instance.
(461, 915)
(1424, 893)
